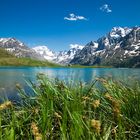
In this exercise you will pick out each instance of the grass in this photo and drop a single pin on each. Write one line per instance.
(26, 62)
(7, 59)
(5, 54)
(59, 111)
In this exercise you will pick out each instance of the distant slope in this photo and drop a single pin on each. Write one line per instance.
(18, 48)
(5, 54)
(7, 59)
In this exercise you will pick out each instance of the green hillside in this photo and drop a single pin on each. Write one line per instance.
(5, 54)
(7, 59)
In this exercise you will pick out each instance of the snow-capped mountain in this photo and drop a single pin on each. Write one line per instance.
(120, 47)
(113, 37)
(18, 48)
(64, 57)
(11, 42)
(45, 53)
(85, 55)
(118, 32)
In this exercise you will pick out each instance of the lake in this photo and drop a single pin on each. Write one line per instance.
(10, 76)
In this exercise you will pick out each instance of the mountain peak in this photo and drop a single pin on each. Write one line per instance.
(76, 46)
(119, 48)
(91, 43)
(11, 41)
(45, 52)
(118, 32)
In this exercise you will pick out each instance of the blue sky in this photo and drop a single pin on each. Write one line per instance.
(58, 23)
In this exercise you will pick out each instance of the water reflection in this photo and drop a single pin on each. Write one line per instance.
(9, 76)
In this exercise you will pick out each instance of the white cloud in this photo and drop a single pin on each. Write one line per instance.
(105, 8)
(73, 17)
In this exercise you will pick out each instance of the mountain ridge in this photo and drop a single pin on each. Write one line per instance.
(115, 51)
(119, 48)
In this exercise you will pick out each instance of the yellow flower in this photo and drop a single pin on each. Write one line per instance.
(114, 130)
(5, 105)
(96, 103)
(109, 97)
(116, 109)
(35, 131)
(115, 105)
(85, 98)
(57, 115)
(35, 110)
(96, 125)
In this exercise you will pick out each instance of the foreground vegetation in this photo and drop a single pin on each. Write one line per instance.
(8, 59)
(56, 110)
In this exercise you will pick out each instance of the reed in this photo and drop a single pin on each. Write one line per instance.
(59, 111)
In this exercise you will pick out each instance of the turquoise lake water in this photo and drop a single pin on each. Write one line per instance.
(9, 76)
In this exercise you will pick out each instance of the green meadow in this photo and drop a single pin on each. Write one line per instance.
(7, 59)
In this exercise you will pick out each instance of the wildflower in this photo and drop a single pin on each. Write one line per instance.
(116, 109)
(85, 98)
(96, 125)
(115, 105)
(109, 97)
(57, 115)
(96, 103)
(5, 105)
(35, 131)
(18, 113)
(114, 130)
(35, 110)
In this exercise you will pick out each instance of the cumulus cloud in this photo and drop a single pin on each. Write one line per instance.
(105, 8)
(73, 17)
